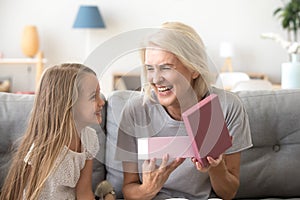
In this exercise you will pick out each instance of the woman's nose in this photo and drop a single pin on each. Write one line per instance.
(157, 77)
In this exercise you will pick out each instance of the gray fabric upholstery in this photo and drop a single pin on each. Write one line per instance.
(99, 171)
(14, 112)
(270, 169)
(115, 104)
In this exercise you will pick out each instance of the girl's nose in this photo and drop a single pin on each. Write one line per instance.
(100, 101)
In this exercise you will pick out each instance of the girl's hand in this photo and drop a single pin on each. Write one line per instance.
(154, 177)
(212, 163)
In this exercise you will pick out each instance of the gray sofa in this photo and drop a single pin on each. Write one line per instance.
(269, 170)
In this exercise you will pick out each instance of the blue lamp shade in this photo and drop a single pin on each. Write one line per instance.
(89, 17)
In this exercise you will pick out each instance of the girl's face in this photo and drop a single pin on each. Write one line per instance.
(88, 107)
(169, 78)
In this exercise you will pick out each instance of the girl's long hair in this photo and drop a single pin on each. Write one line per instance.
(51, 127)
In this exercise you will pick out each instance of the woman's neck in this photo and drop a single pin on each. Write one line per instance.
(176, 110)
(174, 113)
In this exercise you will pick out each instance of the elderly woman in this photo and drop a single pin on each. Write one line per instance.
(177, 74)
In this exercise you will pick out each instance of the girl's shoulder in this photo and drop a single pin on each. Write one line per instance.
(89, 142)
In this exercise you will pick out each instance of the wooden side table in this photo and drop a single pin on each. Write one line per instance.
(276, 86)
(254, 75)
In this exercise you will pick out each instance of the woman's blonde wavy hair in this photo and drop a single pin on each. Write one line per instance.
(51, 127)
(184, 42)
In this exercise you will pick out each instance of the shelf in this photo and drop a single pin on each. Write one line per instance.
(21, 60)
(39, 62)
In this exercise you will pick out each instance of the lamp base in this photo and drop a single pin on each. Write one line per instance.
(227, 65)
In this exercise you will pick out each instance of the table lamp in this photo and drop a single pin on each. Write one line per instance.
(88, 17)
(226, 51)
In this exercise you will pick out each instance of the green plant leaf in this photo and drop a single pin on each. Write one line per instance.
(276, 11)
(289, 16)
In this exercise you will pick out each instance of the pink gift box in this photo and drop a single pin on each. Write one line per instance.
(207, 135)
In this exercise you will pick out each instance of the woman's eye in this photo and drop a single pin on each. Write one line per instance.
(149, 68)
(165, 67)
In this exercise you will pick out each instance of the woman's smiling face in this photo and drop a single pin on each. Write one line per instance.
(169, 78)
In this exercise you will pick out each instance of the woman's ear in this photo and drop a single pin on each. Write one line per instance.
(195, 74)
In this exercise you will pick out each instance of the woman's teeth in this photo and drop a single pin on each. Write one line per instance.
(163, 89)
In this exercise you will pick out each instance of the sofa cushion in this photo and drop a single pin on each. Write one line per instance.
(271, 167)
(99, 171)
(14, 112)
(115, 105)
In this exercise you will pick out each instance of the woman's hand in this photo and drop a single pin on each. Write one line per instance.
(154, 177)
(212, 163)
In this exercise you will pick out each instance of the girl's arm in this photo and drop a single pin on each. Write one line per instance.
(84, 184)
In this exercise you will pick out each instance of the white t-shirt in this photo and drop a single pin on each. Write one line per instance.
(62, 182)
(150, 119)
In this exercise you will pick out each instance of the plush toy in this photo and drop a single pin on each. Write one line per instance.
(4, 86)
(105, 191)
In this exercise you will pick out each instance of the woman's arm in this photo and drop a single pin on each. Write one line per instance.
(225, 176)
(84, 184)
(153, 178)
(224, 173)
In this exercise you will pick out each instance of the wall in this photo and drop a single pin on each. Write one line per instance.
(238, 21)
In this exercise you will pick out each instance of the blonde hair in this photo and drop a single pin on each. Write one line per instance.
(184, 42)
(51, 127)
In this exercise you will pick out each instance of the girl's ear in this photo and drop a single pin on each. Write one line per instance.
(195, 74)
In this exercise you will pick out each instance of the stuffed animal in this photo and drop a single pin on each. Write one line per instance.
(4, 86)
(105, 191)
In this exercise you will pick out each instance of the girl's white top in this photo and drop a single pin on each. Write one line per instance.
(62, 181)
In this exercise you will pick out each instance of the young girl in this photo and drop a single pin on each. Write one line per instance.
(54, 159)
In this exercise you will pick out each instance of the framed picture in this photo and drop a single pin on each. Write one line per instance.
(128, 81)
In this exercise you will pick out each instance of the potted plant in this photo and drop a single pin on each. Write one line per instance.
(289, 14)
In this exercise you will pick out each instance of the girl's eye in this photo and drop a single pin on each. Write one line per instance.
(93, 97)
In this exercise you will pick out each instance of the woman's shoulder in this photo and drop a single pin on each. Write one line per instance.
(124, 96)
(226, 97)
(229, 101)
(118, 99)
(134, 100)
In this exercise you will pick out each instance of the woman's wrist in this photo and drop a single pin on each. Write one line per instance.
(148, 192)
(220, 168)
